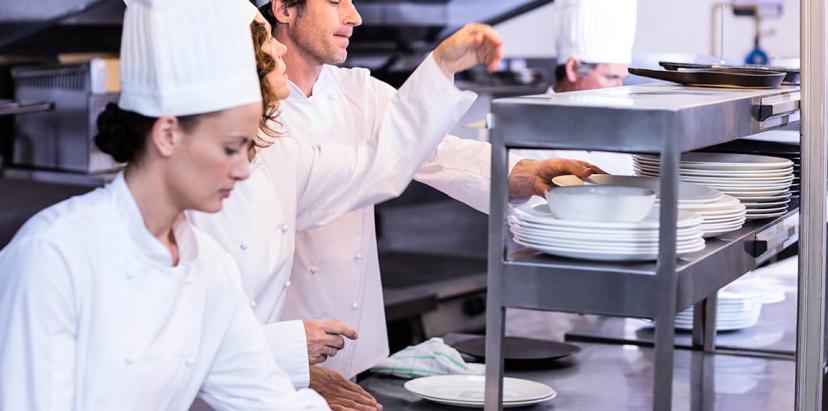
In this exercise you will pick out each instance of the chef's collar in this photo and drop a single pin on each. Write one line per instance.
(142, 238)
(320, 86)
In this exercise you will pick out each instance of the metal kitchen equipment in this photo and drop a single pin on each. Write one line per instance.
(716, 77)
(791, 74)
(61, 139)
(653, 118)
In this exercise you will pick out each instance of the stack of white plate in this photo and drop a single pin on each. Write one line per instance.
(536, 227)
(734, 311)
(761, 183)
(721, 213)
(468, 391)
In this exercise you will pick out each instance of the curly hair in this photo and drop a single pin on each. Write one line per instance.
(270, 104)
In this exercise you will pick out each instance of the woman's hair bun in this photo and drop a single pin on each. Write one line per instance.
(122, 134)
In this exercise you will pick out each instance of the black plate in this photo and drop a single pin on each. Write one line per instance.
(728, 78)
(791, 75)
(519, 349)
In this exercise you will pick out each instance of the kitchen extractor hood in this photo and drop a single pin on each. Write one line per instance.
(61, 26)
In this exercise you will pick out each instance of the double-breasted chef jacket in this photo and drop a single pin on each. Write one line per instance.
(295, 187)
(96, 317)
(336, 270)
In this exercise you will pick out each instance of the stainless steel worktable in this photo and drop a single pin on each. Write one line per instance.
(619, 377)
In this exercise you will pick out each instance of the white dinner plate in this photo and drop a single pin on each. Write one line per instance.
(596, 234)
(543, 228)
(470, 389)
(747, 187)
(767, 215)
(624, 247)
(726, 178)
(725, 203)
(688, 192)
(733, 160)
(778, 197)
(480, 404)
(768, 204)
(737, 210)
(586, 240)
(586, 254)
(655, 170)
(540, 213)
(752, 211)
(751, 194)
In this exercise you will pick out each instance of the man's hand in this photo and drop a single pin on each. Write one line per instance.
(473, 44)
(341, 394)
(325, 339)
(535, 177)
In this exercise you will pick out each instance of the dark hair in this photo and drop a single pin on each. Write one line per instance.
(123, 134)
(267, 11)
(583, 70)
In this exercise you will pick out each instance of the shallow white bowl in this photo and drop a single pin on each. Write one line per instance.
(601, 203)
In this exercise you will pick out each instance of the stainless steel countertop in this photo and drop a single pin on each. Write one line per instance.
(619, 377)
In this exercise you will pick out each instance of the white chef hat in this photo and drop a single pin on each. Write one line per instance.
(595, 31)
(260, 3)
(184, 57)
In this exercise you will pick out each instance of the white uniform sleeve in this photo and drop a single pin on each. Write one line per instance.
(462, 169)
(38, 319)
(244, 375)
(289, 345)
(339, 178)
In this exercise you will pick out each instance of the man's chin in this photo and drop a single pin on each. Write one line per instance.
(337, 58)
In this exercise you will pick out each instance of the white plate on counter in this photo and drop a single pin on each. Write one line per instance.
(468, 391)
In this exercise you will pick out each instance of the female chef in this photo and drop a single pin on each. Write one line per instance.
(294, 186)
(112, 300)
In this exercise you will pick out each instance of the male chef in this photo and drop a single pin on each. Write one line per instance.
(336, 270)
(594, 40)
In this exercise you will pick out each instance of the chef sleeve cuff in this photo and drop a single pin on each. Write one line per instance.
(290, 350)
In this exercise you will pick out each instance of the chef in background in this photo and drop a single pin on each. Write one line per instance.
(594, 40)
(113, 300)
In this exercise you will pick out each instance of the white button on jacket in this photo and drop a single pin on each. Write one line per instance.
(81, 332)
(296, 187)
(460, 168)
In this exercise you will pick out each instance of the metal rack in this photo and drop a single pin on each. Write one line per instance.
(654, 118)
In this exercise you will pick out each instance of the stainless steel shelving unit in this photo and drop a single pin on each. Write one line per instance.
(654, 118)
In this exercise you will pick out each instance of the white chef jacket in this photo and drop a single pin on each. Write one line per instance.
(336, 269)
(95, 317)
(295, 186)
(613, 163)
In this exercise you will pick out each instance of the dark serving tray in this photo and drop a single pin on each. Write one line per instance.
(791, 74)
(728, 78)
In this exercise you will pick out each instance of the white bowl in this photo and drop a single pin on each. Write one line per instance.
(602, 203)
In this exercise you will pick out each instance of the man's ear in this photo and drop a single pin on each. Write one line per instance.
(572, 65)
(165, 135)
(282, 13)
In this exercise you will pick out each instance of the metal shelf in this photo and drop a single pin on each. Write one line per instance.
(533, 280)
(654, 118)
(692, 117)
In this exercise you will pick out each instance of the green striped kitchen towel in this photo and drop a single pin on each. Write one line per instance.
(432, 357)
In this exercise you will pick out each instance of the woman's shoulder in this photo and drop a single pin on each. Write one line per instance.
(71, 219)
